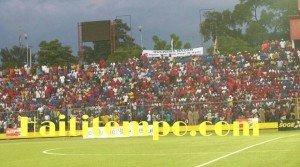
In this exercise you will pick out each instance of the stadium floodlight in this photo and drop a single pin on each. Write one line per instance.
(141, 34)
(140, 28)
(200, 14)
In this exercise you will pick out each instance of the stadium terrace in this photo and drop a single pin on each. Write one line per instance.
(193, 89)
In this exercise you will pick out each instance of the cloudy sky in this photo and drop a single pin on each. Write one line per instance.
(57, 19)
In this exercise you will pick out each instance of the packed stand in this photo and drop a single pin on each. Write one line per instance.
(191, 89)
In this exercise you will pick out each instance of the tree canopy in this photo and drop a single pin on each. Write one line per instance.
(54, 53)
(160, 44)
(251, 21)
(123, 55)
(123, 39)
(102, 49)
(14, 57)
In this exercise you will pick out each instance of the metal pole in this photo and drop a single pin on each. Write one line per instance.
(142, 40)
(80, 47)
(26, 38)
(140, 29)
(20, 35)
(27, 60)
(30, 61)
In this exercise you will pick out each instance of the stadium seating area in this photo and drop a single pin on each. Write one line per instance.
(192, 89)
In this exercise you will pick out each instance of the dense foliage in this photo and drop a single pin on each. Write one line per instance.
(54, 53)
(251, 21)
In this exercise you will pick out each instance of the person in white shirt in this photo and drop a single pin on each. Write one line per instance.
(45, 69)
(282, 44)
(47, 117)
(125, 97)
(149, 118)
(37, 94)
(62, 79)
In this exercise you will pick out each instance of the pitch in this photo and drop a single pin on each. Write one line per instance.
(271, 148)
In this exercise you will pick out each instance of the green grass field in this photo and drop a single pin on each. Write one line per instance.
(270, 149)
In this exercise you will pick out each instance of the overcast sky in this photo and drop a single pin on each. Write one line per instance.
(57, 19)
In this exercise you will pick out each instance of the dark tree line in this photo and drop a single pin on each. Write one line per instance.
(251, 21)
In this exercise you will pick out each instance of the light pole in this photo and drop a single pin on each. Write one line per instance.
(30, 56)
(200, 13)
(140, 29)
(26, 38)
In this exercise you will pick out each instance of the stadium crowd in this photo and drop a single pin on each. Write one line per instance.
(191, 89)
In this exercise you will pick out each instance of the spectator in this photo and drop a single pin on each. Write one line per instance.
(261, 113)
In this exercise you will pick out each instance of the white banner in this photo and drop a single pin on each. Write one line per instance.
(173, 53)
(117, 132)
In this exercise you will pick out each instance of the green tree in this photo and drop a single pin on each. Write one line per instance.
(89, 54)
(14, 57)
(278, 13)
(122, 55)
(256, 33)
(228, 45)
(102, 49)
(177, 43)
(123, 40)
(219, 23)
(187, 46)
(251, 21)
(54, 53)
(160, 44)
(268, 18)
